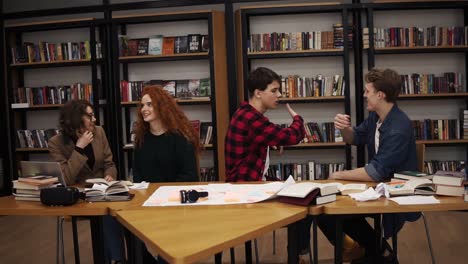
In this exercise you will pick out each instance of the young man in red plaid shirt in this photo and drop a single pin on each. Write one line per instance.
(250, 133)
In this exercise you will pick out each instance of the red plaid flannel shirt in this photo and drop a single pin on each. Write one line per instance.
(248, 136)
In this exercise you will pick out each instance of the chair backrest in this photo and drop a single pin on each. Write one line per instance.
(420, 155)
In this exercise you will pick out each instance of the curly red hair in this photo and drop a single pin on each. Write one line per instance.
(171, 115)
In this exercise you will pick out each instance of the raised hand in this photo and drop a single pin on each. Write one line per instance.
(342, 121)
(85, 139)
(290, 110)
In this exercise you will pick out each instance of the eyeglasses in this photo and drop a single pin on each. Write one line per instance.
(90, 115)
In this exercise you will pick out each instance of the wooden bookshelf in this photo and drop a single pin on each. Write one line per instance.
(39, 150)
(205, 147)
(436, 95)
(443, 142)
(318, 145)
(423, 47)
(52, 63)
(181, 101)
(195, 55)
(312, 99)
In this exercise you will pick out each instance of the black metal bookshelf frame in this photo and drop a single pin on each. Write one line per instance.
(17, 71)
(120, 23)
(370, 10)
(345, 53)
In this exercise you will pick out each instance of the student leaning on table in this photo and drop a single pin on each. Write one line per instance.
(166, 144)
(388, 133)
(251, 134)
(83, 152)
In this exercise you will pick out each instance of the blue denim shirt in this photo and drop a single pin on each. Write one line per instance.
(397, 152)
(397, 148)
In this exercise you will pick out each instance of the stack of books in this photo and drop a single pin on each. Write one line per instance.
(449, 183)
(305, 193)
(29, 188)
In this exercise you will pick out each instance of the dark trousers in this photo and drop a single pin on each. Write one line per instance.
(355, 227)
(304, 235)
(150, 259)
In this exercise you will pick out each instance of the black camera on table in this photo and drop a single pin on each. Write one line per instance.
(191, 196)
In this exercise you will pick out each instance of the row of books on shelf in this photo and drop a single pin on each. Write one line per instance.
(188, 89)
(163, 45)
(44, 51)
(448, 183)
(207, 174)
(29, 96)
(324, 132)
(416, 83)
(419, 36)
(442, 129)
(295, 86)
(430, 167)
(303, 171)
(35, 138)
(297, 41)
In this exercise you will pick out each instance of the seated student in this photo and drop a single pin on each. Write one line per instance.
(83, 152)
(251, 134)
(388, 133)
(166, 144)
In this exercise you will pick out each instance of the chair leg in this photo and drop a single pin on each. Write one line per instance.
(274, 242)
(428, 237)
(60, 243)
(256, 251)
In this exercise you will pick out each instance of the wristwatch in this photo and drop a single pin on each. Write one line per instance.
(191, 196)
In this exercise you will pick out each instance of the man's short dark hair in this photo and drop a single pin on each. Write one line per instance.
(260, 78)
(386, 81)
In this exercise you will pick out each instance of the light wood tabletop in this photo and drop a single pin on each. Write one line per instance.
(184, 234)
(9, 206)
(346, 205)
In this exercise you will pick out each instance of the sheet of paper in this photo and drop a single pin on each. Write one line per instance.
(415, 199)
(139, 186)
(367, 195)
(217, 194)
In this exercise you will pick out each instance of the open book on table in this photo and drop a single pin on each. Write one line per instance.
(346, 189)
(107, 191)
(411, 187)
(302, 189)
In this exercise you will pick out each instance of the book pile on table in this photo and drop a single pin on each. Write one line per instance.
(29, 188)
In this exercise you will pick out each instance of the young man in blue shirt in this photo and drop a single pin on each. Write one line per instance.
(388, 134)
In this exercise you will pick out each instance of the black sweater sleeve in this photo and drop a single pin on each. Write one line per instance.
(186, 169)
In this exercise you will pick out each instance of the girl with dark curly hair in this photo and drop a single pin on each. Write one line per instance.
(166, 143)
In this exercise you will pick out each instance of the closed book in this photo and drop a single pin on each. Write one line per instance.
(324, 199)
(411, 175)
(450, 190)
(27, 186)
(452, 178)
(39, 179)
(305, 201)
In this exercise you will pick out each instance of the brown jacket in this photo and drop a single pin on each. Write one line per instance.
(74, 166)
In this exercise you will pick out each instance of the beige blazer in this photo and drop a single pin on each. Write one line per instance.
(74, 166)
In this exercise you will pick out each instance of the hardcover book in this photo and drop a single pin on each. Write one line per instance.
(205, 87)
(194, 44)
(168, 45)
(194, 87)
(132, 47)
(181, 45)
(155, 45)
(143, 46)
(170, 87)
(182, 89)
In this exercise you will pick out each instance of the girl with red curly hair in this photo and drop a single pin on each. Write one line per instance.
(166, 143)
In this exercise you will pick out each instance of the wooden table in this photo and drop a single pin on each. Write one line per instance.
(185, 234)
(93, 211)
(345, 206)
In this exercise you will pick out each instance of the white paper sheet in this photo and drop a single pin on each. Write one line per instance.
(218, 194)
(415, 199)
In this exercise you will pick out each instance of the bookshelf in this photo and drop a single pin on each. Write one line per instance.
(305, 61)
(435, 59)
(197, 65)
(44, 78)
